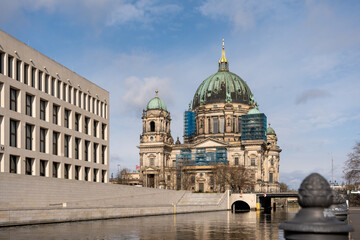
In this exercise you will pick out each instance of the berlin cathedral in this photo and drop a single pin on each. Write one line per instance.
(222, 126)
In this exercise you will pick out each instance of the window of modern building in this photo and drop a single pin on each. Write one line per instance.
(43, 104)
(74, 98)
(215, 125)
(43, 140)
(66, 118)
(29, 103)
(88, 104)
(13, 99)
(55, 113)
(55, 142)
(64, 91)
(86, 150)
(87, 121)
(77, 146)
(95, 152)
(18, 69)
(103, 150)
(58, 89)
(95, 174)
(79, 98)
(77, 121)
(10, 66)
(13, 163)
(95, 128)
(28, 136)
(56, 169)
(53, 83)
(105, 116)
(253, 162)
(103, 128)
(43, 166)
(67, 171)
(26, 74)
(93, 105)
(66, 145)
(236, 161)
(84, 101)
(101, 109)
(33, 76)
(40, 75)
(2, 55)
(271, 180)
(69, 94)
(97, 107)
(77, 172)
(103, 174)
(13, 132)
(87, 173)
(28, 166)
(47, 78)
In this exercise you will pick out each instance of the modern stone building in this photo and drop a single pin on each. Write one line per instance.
(53, 122)
(222, 127)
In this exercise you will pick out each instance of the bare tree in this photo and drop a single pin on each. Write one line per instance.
(284, 187)
(220, 172)
(352, 166)
(236, 177)
(187, 180)
(239, 178)
(122, 176)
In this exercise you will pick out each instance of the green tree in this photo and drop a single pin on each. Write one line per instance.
(352, 166)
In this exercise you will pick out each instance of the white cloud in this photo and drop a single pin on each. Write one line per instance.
(107, 12)
(140, 91)
(241, 13)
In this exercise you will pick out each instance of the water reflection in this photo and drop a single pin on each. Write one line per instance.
(212, 225)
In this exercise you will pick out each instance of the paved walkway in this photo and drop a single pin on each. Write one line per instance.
(354, 220)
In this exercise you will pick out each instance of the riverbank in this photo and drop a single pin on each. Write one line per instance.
(33, 200)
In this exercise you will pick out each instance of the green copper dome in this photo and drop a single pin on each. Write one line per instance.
(156, 103)
(223, 87)
(253, 111)
(270, 131)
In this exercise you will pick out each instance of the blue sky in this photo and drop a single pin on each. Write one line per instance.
(300, 58)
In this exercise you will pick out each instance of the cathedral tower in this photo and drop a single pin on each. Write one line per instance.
(155, 143)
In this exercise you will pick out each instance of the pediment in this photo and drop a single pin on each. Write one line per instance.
(210, 143)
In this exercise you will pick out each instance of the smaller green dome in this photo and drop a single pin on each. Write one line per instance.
(270, 131)
(253, 111)
(156, 103)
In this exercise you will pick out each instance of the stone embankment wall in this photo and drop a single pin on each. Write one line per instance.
(32, 199)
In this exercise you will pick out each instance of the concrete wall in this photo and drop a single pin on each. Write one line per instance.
(32, 199)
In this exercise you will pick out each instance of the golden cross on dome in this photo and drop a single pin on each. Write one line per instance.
(156, 91)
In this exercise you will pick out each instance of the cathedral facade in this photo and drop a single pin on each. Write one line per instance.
(222, 127)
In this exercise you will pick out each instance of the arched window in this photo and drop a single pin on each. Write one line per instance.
(152, 126)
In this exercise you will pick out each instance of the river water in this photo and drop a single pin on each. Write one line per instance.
(210, 225)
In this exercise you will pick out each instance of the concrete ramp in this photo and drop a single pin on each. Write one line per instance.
(204, 199)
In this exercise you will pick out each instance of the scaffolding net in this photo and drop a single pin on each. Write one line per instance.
(200, 157)
(253, 127)
(189, 123)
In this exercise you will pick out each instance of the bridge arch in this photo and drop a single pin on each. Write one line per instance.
(240, 206)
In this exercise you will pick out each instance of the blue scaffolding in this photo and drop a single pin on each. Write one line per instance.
(201, 157)
(189, 123)
(253, 127)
